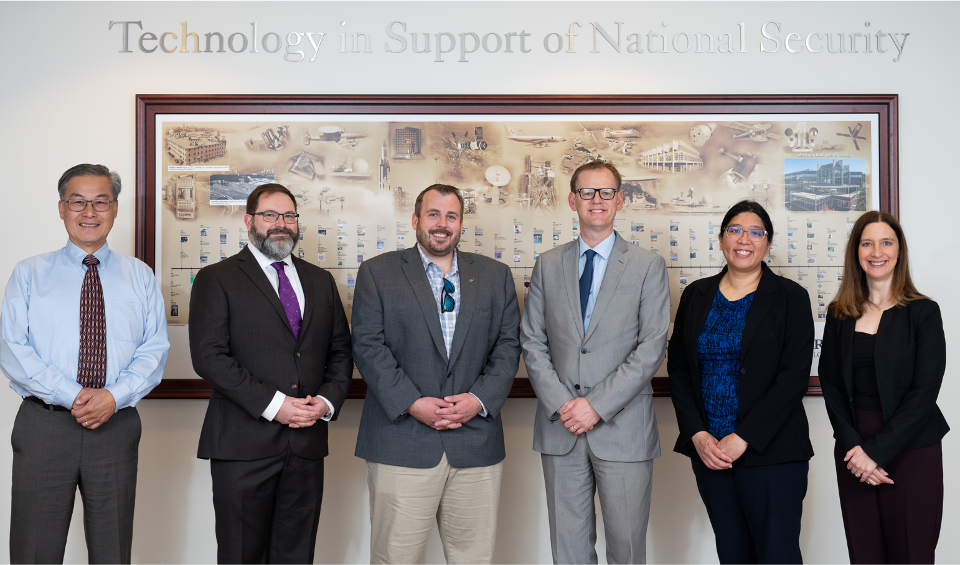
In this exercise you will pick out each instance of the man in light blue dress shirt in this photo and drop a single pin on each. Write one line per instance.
(67, 435)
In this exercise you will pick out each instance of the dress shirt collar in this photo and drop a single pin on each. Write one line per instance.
(603, 249)
(265, 261)
(75, 255)
(427, 262)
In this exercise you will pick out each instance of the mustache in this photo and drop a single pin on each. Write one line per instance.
(286, 231)
(441, 231)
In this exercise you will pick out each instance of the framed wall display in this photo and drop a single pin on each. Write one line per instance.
(356, 164)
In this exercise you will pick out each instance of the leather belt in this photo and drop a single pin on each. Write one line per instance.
(50, 407)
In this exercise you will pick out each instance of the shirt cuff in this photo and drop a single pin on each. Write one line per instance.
(329, 415)
(271, 412)
(483, 409)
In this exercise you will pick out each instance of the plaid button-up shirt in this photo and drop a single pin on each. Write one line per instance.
(448, 320)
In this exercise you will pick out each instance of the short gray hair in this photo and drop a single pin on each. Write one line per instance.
(88, 170)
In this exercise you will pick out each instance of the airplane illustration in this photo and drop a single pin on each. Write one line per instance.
(854, 135)
(757, 133)
(534, 140)
(620, 133)
(335, 134)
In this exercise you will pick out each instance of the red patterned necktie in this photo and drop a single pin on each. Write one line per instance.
(92, 366)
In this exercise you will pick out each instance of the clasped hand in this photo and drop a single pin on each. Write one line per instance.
(93, 407)
(578, 416)
(865, 469)
(448, 413)
(301, 412)
(718, 455)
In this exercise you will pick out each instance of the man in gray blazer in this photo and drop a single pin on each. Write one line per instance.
(594, 332)
(436, 340)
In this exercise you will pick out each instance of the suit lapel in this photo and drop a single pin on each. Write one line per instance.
(762, 302)
(250, 266)
(616, 264)
(469, 283)
(571, 281)
(417, 278)
(309, 297)
(848, 325)
(705, 296)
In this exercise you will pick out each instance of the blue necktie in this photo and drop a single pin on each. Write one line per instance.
(586, 282)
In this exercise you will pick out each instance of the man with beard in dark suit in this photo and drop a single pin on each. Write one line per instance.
(269, 333)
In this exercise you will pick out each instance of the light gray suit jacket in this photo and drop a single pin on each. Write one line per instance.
(398, 348)
(612, 365)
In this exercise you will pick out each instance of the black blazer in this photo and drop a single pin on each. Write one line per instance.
(241, 342)
(911, 357)
(775, 360)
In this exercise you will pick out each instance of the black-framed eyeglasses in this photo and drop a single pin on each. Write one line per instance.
(448, 303)
(734, 232)
(79, 204)
(590, 193)
(270, 216)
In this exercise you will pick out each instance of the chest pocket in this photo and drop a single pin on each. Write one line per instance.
(124, 321)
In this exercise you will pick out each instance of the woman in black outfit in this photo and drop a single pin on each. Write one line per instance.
(739, 364)
(881, 365)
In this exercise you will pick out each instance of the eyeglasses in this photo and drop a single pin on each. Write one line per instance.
(79, 204)
(448, 302)
(271, 217)
(733, 232)
(605, 193)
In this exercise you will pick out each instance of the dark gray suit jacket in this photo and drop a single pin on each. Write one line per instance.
(241, 342)
(398, 345)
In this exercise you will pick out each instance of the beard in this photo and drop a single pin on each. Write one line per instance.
(272, 248)
(423, 238)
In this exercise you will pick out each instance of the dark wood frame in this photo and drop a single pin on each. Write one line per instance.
(885, 106)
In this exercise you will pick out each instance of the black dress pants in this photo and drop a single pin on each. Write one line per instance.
(267, 510)
(755, 511)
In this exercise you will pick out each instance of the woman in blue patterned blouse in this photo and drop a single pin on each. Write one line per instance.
(739, 364)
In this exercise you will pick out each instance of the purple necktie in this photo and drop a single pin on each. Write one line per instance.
(291, 306)
(92, 365)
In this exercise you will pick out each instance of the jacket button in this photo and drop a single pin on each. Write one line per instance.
(576, 387)
(294, 387)
(584, 350)
(298, 354)
(743, 371)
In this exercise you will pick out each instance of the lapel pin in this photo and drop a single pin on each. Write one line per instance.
(470, 281)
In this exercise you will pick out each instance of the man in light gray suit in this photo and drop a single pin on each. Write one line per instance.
(436, 340)
(594, 332)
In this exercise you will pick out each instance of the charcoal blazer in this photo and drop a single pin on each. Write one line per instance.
(242, 344)
(399, 349)
(911, 357)
(611, 364)
(775, 361)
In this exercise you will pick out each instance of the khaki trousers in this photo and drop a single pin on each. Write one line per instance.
(405, 501)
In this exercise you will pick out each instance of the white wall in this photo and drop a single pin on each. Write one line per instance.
(67, 96)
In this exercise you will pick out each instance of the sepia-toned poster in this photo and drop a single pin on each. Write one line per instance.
(356, 179)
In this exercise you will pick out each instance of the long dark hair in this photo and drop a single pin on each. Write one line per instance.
(853, 291)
